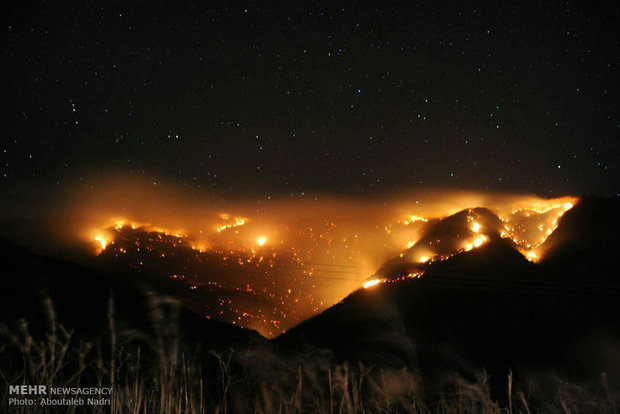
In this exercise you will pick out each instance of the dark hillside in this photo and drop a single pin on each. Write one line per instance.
(490, 308)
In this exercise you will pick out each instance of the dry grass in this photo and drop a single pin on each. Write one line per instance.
(170, 380)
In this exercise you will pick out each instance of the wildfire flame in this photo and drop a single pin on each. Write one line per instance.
(413, 219)
(234, 222)
(103, 242)
(518, 228)
(479, 240)
(544, 220)
(309, 260)
(372, 282)
(531, 256)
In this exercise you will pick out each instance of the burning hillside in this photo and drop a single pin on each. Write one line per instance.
(275, 267)
(526, 229)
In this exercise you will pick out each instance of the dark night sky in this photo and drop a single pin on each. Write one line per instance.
(260, 100)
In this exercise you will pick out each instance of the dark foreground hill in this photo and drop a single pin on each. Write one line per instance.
(37, 288)
(490, 308)
(65, 325)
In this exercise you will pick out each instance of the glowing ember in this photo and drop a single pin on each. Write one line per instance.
(234, 222)
(475, 227)
(479, 240)
(371, 283)
(531, 256)
(102, 241)
(261, 241)
(413, 219)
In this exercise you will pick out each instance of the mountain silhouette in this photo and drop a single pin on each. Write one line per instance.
(489, 307)
(81, 299)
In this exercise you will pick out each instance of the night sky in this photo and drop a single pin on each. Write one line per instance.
(263, 100)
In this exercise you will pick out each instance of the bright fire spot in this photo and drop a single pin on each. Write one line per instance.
(371, 283)
(468, 247)
(236, 222)
(261, 240)
(102, 241)
(424, 259)
(479, 240)
(413, 219)
(475, 227)
(531, 256)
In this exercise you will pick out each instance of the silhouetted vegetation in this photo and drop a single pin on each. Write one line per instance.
(169, 376)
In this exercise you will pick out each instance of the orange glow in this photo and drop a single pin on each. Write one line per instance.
(479, 240)
(234, 222)
(413, 219)
(531, 256)
(320, 251)
(102, 241)
(529, 227)
(371, 283)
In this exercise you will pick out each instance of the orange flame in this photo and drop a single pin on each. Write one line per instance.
(371, 283)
